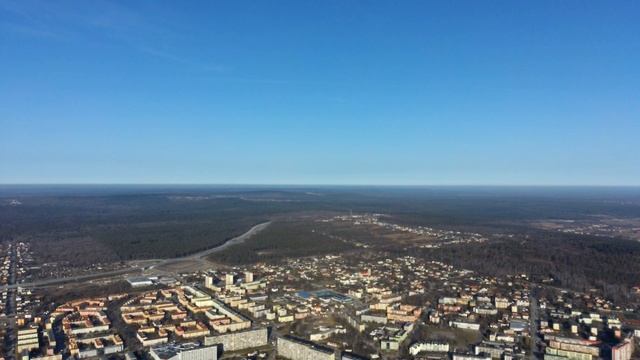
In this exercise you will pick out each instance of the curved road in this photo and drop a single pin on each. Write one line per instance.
(136, 268)
(199, 255)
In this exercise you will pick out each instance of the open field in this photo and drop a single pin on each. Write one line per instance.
(282, 239)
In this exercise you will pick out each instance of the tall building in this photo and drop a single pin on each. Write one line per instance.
(248, 277)
(27, 339)
(228, 279)
(184, 352)
(299, 349)
(208, 281)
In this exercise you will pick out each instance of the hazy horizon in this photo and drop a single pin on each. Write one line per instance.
(240, 184)
(247, 184)
(627, 193)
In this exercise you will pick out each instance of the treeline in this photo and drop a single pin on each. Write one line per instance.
(575, 261)
(175, 222)
(77, 250)
(172, 239)
(92, 229)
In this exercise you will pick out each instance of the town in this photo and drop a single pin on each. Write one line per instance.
(366, 305)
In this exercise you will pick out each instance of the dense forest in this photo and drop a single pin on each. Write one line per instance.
(102, 224)
(579, 262)
(123, 227)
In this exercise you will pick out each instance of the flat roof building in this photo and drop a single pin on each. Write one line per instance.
(189, 351)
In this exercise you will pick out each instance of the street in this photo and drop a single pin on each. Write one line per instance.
(11, 337)
(534, 315)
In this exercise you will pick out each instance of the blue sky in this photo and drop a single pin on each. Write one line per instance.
(320, 92)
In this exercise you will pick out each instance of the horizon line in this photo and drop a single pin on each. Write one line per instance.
(310, 184)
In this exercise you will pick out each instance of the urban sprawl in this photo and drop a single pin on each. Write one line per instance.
(369, 305)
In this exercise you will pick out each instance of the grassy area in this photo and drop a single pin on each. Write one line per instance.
(459, 339)
(282, 239)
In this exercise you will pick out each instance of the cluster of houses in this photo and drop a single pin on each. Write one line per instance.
(394, 302)
(15, 259)
(359, 305)
(437, 237)
(84, 326)
(159, 315)
(19, 303)
(586, 326)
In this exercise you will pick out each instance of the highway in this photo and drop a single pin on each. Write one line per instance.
(60, 281)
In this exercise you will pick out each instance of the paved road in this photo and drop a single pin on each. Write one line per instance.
(137, 269)
(202, 254)
(60, 281)
(10, 310)
(534, 315)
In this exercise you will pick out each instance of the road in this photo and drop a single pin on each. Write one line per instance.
(136, 268)
(11, 337)
(60, 281)
(534, 317)
(202, 254)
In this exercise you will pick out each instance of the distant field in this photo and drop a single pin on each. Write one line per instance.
(281, 240)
